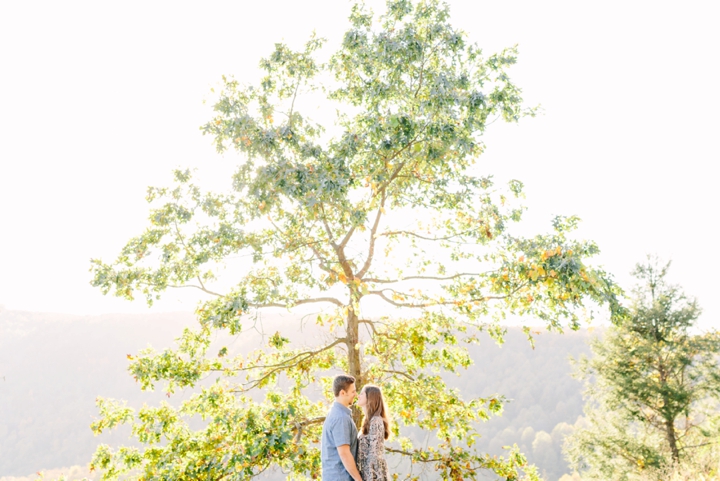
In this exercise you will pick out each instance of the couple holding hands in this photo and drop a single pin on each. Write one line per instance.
(347, 456)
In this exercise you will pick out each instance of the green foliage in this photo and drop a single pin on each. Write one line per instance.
(653, 387)
(387, 207)
(78, 358)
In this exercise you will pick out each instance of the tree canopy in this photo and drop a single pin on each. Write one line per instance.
(652, 385)
(383, 206)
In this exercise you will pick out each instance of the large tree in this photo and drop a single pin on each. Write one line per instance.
(384, 204)
(653, 387)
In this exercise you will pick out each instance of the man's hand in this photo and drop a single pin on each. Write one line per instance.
(348, 461)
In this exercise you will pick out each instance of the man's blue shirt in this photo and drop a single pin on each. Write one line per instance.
(338, 429)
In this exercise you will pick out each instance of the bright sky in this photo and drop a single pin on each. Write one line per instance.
(98, 100)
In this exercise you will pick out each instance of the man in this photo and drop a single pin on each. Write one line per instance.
(339, 435)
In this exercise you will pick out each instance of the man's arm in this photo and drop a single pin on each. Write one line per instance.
(348, 461)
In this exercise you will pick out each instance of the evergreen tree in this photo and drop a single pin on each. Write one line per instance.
(653, 387)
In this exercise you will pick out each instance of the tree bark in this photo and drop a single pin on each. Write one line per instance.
(672, 440)
(354, 359)
(669, 419)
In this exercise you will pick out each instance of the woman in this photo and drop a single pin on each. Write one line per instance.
(372, 436)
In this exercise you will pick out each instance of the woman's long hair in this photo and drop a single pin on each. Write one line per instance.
(375, 406)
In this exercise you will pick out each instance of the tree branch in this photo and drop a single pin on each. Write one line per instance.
(408, 278)
(399, 373)
(369, 323)
(431, 303)
(322, 259)
(300, 426)
(331, 239)
(202, 288)
(347, 237)
(373, 238)
(410, 233)
(415, 455)
(292, 104)
(284, 365)
(315, 300)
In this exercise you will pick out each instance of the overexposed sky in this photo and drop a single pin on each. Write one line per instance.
(98, 100)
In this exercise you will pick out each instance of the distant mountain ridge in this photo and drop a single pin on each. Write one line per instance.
(55, 366)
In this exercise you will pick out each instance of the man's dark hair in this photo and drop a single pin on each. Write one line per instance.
(342, 383)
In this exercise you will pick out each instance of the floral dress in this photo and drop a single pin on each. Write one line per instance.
(371, 452)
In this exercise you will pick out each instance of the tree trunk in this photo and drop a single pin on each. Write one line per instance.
(669, 421)
(354, 359)
(672, 440)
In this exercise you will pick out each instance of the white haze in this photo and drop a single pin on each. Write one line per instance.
(100, 100)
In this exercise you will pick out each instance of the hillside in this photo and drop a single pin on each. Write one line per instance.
(54, 366)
